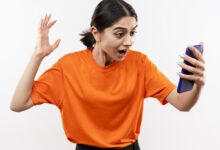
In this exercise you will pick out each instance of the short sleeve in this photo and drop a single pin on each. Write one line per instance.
(157, 85)
(48, 88)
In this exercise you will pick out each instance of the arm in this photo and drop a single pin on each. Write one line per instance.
(185, 101)
(21, 99)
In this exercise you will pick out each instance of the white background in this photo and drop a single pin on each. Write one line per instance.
(165, 28)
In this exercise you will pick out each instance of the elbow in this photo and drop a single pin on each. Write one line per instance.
(15, 108)
(184, 109)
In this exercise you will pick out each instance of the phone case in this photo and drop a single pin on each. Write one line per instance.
(187, 85)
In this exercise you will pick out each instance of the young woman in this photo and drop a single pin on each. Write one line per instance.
(100, 90)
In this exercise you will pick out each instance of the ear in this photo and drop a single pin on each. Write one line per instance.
(95, 33)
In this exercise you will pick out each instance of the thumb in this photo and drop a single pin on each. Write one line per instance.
(56, 44)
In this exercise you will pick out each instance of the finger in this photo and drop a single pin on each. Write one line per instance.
(48, 19)
(193, 61)
(186, 76)
(202, 47)
(198, 79)
(191, 69)
(56, 44)
(196, 53)
(51, 24)
(44, 19)
(40, 24)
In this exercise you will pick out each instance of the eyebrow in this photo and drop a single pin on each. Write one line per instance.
(123, 28)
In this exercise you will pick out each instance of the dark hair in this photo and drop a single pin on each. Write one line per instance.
(106, 13)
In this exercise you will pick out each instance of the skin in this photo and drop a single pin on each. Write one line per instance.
(185, 101)
(120, 36)
(21, 99)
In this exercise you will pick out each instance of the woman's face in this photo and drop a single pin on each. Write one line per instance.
(118, 38)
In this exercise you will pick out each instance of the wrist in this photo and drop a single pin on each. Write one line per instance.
(37, 57)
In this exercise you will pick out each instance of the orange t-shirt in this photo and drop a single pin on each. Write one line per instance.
(101, 106)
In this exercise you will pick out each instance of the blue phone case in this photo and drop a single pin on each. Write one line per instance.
(187, 85)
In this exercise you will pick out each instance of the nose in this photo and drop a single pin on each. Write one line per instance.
(128, 41)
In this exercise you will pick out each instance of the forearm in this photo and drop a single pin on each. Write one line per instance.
(188, 99)
(24, 87)
(21, 99)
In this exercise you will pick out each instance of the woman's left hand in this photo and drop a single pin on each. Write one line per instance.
(198, 67)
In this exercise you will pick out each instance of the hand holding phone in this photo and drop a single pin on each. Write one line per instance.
(184, 84)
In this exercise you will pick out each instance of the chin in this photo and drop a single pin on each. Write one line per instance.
(121, 59)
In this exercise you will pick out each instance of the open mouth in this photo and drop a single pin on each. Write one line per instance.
(122, 51)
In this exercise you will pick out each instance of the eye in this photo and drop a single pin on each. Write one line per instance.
(133, 33)
(119, 34)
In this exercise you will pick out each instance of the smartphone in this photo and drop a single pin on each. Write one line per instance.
(184, 84)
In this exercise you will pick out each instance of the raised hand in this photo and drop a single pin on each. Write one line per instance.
(198, 71)
(43, 47)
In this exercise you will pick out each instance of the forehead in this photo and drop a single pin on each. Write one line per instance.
(125, 22)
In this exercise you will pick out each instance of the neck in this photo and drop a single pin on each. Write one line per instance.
(101, 57)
